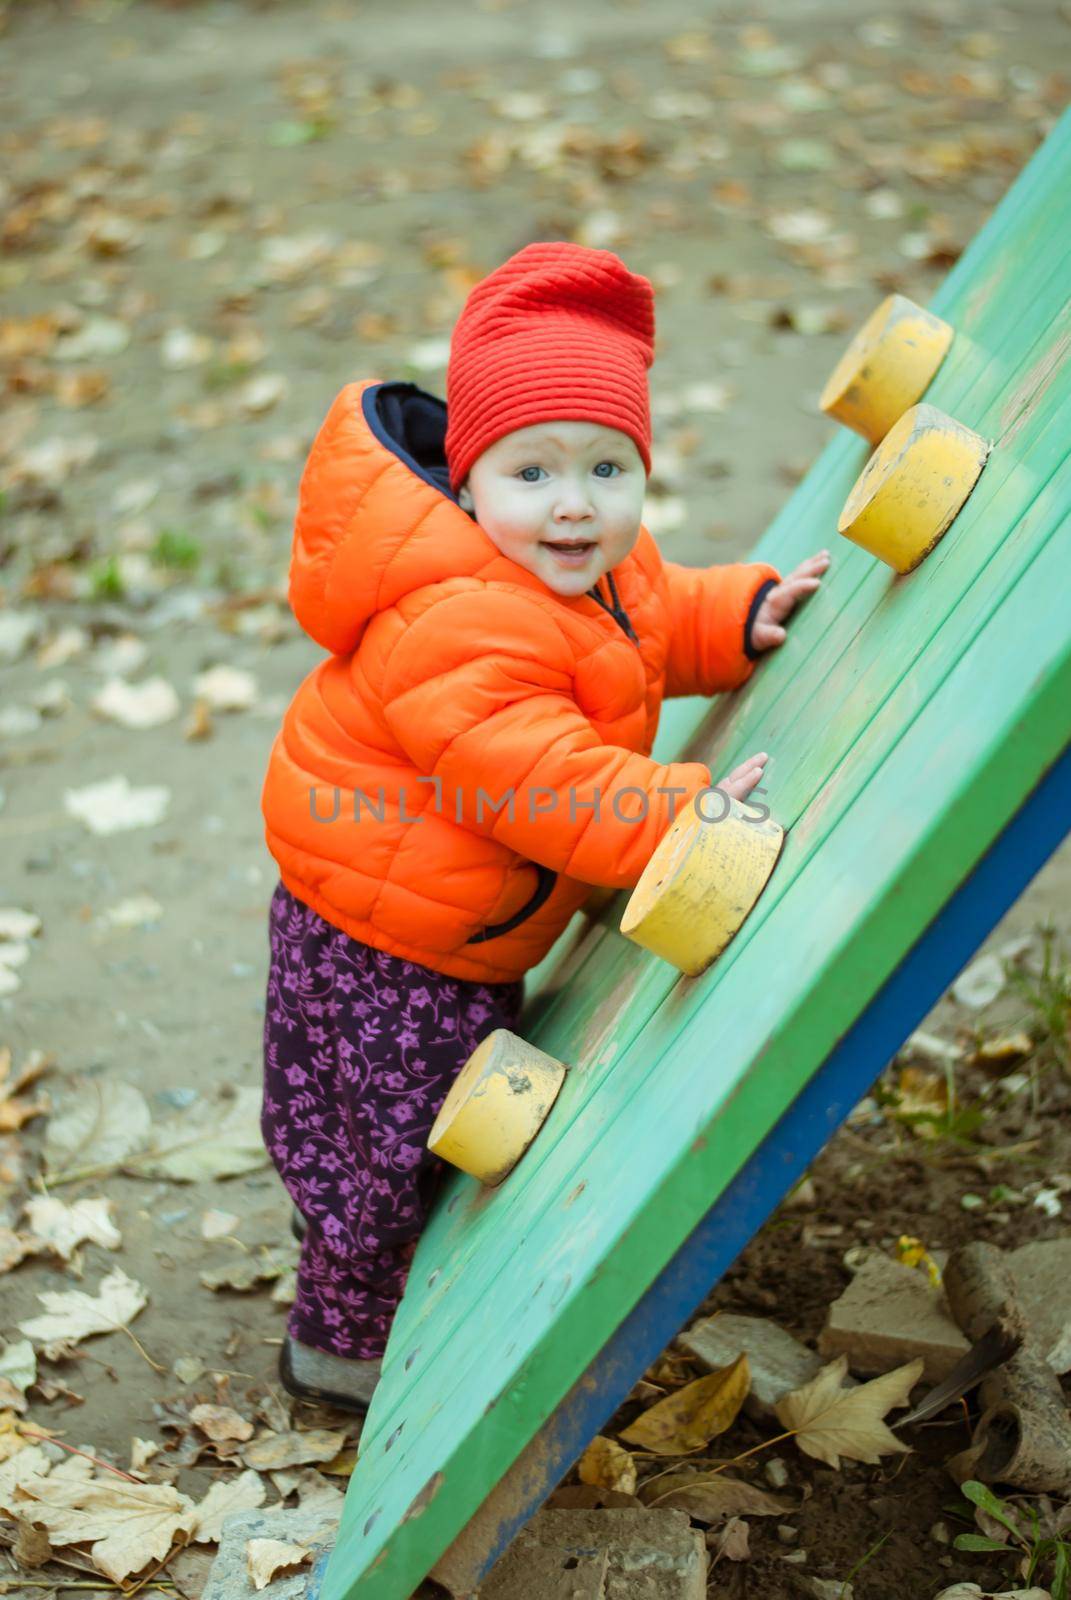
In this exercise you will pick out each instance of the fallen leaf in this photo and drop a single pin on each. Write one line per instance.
(312, 1489)
(829, 1422)
(142, 1452)
(32, 1547)
(18, 1365)
(71, 1315)
(62, 1228)
(925, 1095)
(799, 227)
(244, 1493)
(270, 1451)
(126, 1525)
(221, 1422)
(18, 630)
(218, 1224)
(98, 336)
(137, 911)
(260, 394)
(26, 1461)
(266, 1557)
(181, 348)
(140, 705)
(732, 1541)
(210, 1144)
(14, 1111)
(971, 1591)
(1006, 1047)
(930, 1047)
(980, 983)
(18, 924)
(608, 1466)
(226, 688)
(708, 1497)
(99, 1124)
(689, 1418)
(65, 644)
(913, 1253)
(113, 806)
(246, 1271)
(120, 655)
(15, 1247)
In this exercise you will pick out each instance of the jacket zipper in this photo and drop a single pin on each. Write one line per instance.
(545, 878)
(616, 609)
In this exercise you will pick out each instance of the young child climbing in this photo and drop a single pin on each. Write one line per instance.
(472, 757)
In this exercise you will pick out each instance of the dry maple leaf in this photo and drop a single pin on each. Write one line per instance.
(62, 1228)
(829, 1422)
(608, 1466)
(221, 1422)
(71, 1315)
(269, 1451)
(244, 1493)
(266, 1557)
(688, 1419)
(13, 1111)
(710, 1496)
(127, 1525)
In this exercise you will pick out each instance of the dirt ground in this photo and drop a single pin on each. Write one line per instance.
(214, 215)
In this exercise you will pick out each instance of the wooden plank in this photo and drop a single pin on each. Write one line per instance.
(763, 1045)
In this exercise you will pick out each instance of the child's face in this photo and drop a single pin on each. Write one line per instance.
(558, 484)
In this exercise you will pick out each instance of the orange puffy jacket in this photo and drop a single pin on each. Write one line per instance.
(433, 788)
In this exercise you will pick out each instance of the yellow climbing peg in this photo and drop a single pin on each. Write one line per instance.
(913, 487)
(888, 366)
(703, 878)
(496, 1106)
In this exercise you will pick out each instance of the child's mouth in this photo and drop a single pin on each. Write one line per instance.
(572, 554)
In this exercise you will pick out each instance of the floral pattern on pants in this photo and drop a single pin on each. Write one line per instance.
(360, 1050)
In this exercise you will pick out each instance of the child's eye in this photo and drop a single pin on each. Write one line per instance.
(617, 469)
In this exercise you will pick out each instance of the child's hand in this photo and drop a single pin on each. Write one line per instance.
(782, 600)
(743, 778)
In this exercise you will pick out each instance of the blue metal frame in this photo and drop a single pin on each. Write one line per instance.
(1038, 828)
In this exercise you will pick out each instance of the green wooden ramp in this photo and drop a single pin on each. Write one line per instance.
(918, 730)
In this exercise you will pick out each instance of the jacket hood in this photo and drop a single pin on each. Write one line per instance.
(377, 518)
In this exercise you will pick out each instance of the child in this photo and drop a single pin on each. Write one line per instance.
(472, 757)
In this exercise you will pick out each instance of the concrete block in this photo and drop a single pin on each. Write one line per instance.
(228, 1577)
(779, 1363)
(645, 1555)
(888, 1315)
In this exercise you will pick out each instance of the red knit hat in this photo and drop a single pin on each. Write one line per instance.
(559, 331)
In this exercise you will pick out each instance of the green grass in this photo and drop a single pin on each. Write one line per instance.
(1048, 999)
(1046, 1558)
(176, 548)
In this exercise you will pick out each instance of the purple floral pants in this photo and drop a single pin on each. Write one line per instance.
(360, 1049)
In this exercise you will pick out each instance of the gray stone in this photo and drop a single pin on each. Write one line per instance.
(644, 1555)
(779, 1363)
(1042, 1273)
(548, 1571)
(229, 1579)
(888, 1315)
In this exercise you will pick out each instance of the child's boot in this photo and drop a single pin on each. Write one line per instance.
(330, 1380)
